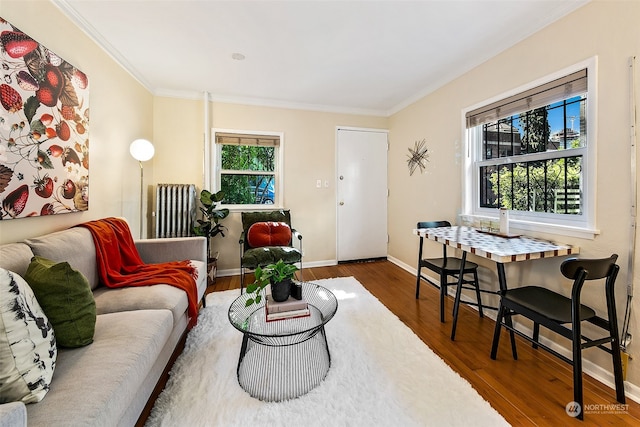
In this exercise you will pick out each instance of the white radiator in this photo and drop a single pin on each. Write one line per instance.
(175, 210)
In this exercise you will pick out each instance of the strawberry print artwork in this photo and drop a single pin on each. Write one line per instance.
(44, 130)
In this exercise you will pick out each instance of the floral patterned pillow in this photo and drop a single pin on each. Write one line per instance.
(27, 343)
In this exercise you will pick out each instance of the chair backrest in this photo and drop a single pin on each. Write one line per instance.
(250, 218)
(595, 268)
(581, 270)
(433, 224)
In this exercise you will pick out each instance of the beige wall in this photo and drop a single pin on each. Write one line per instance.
(607, 29)
(121, 111)
(309, 154)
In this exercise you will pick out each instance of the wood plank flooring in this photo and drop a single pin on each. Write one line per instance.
(531, 391)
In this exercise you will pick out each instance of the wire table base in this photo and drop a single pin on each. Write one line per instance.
(283, 359)
(274, 374)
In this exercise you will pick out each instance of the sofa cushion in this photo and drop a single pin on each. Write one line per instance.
(15, 257)
(74, 245)
(27, 342)
(64, 295)
(113, 300)
(269, 233)
(13, 414)
(94, 385)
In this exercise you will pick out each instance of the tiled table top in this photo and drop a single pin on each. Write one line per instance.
(496, 248)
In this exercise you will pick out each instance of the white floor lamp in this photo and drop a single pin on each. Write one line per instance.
(141, 150)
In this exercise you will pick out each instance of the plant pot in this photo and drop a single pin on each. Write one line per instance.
(280, 291)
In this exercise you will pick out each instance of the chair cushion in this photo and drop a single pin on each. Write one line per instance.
(66, 298)
(549, 304)
(27, 343)
(253, 258)
(448, 265)
(269, 233)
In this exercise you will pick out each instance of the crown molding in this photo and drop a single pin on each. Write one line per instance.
(273, 103)
(93, 34)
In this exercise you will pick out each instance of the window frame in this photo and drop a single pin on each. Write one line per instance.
(216, 162)
(584, 225)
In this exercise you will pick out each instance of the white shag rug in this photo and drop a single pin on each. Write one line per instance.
(381, 374)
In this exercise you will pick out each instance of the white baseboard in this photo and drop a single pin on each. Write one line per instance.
(601, 374)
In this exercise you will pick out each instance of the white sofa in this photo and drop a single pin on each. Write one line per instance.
(109, 381)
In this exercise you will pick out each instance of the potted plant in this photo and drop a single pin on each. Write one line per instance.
(278, 275)
(209, 226)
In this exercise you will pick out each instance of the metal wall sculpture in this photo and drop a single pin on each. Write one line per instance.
(418, 157)
(44, 130)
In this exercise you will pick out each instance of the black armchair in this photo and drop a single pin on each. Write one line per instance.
(271, 240)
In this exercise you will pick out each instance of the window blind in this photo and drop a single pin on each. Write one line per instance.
(565, 87)
(246, 139)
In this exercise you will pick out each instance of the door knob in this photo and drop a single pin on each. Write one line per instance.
(341, 177)
(341, 203)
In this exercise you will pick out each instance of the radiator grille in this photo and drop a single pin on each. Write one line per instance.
(175, 210)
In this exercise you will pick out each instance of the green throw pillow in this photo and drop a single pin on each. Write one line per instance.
(66, 298)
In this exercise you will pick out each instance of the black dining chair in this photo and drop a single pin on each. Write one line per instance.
(447, 267)
(564, 315)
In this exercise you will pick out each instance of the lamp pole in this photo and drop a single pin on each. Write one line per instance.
(141, 195)
(141, 150)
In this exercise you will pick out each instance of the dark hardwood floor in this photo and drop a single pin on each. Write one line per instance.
(530, 391)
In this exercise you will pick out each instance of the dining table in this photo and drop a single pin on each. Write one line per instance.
(500, 248)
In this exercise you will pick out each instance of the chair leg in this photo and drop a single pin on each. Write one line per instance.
(577, 369)
(241, 280)
(456, 307)
(512, 335)
(418, 281)
(536, 334)
(615, 346)
(443, 292)
(617, 370)
(476, 283)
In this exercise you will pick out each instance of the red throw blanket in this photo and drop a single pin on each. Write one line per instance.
(120, 265)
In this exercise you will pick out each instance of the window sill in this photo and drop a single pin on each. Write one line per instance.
(252, 208)
(540, 227)
(561, 230)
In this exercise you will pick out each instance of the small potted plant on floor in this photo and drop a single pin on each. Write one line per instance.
(209, 226)
(278, 275)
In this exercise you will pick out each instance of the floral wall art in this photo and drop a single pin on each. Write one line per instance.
(44, 130)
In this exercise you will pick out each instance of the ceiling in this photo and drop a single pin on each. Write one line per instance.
(368, 57)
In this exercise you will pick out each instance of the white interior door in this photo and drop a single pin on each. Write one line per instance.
(362, 194)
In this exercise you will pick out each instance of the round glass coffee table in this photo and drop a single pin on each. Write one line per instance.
(287, 358)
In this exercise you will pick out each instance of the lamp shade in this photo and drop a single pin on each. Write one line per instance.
(142, 150)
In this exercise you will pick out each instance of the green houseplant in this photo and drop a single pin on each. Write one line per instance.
(279, 275)
(209, 226)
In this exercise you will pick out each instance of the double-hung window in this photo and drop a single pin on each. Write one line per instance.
(247, 168)
(532, 153)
